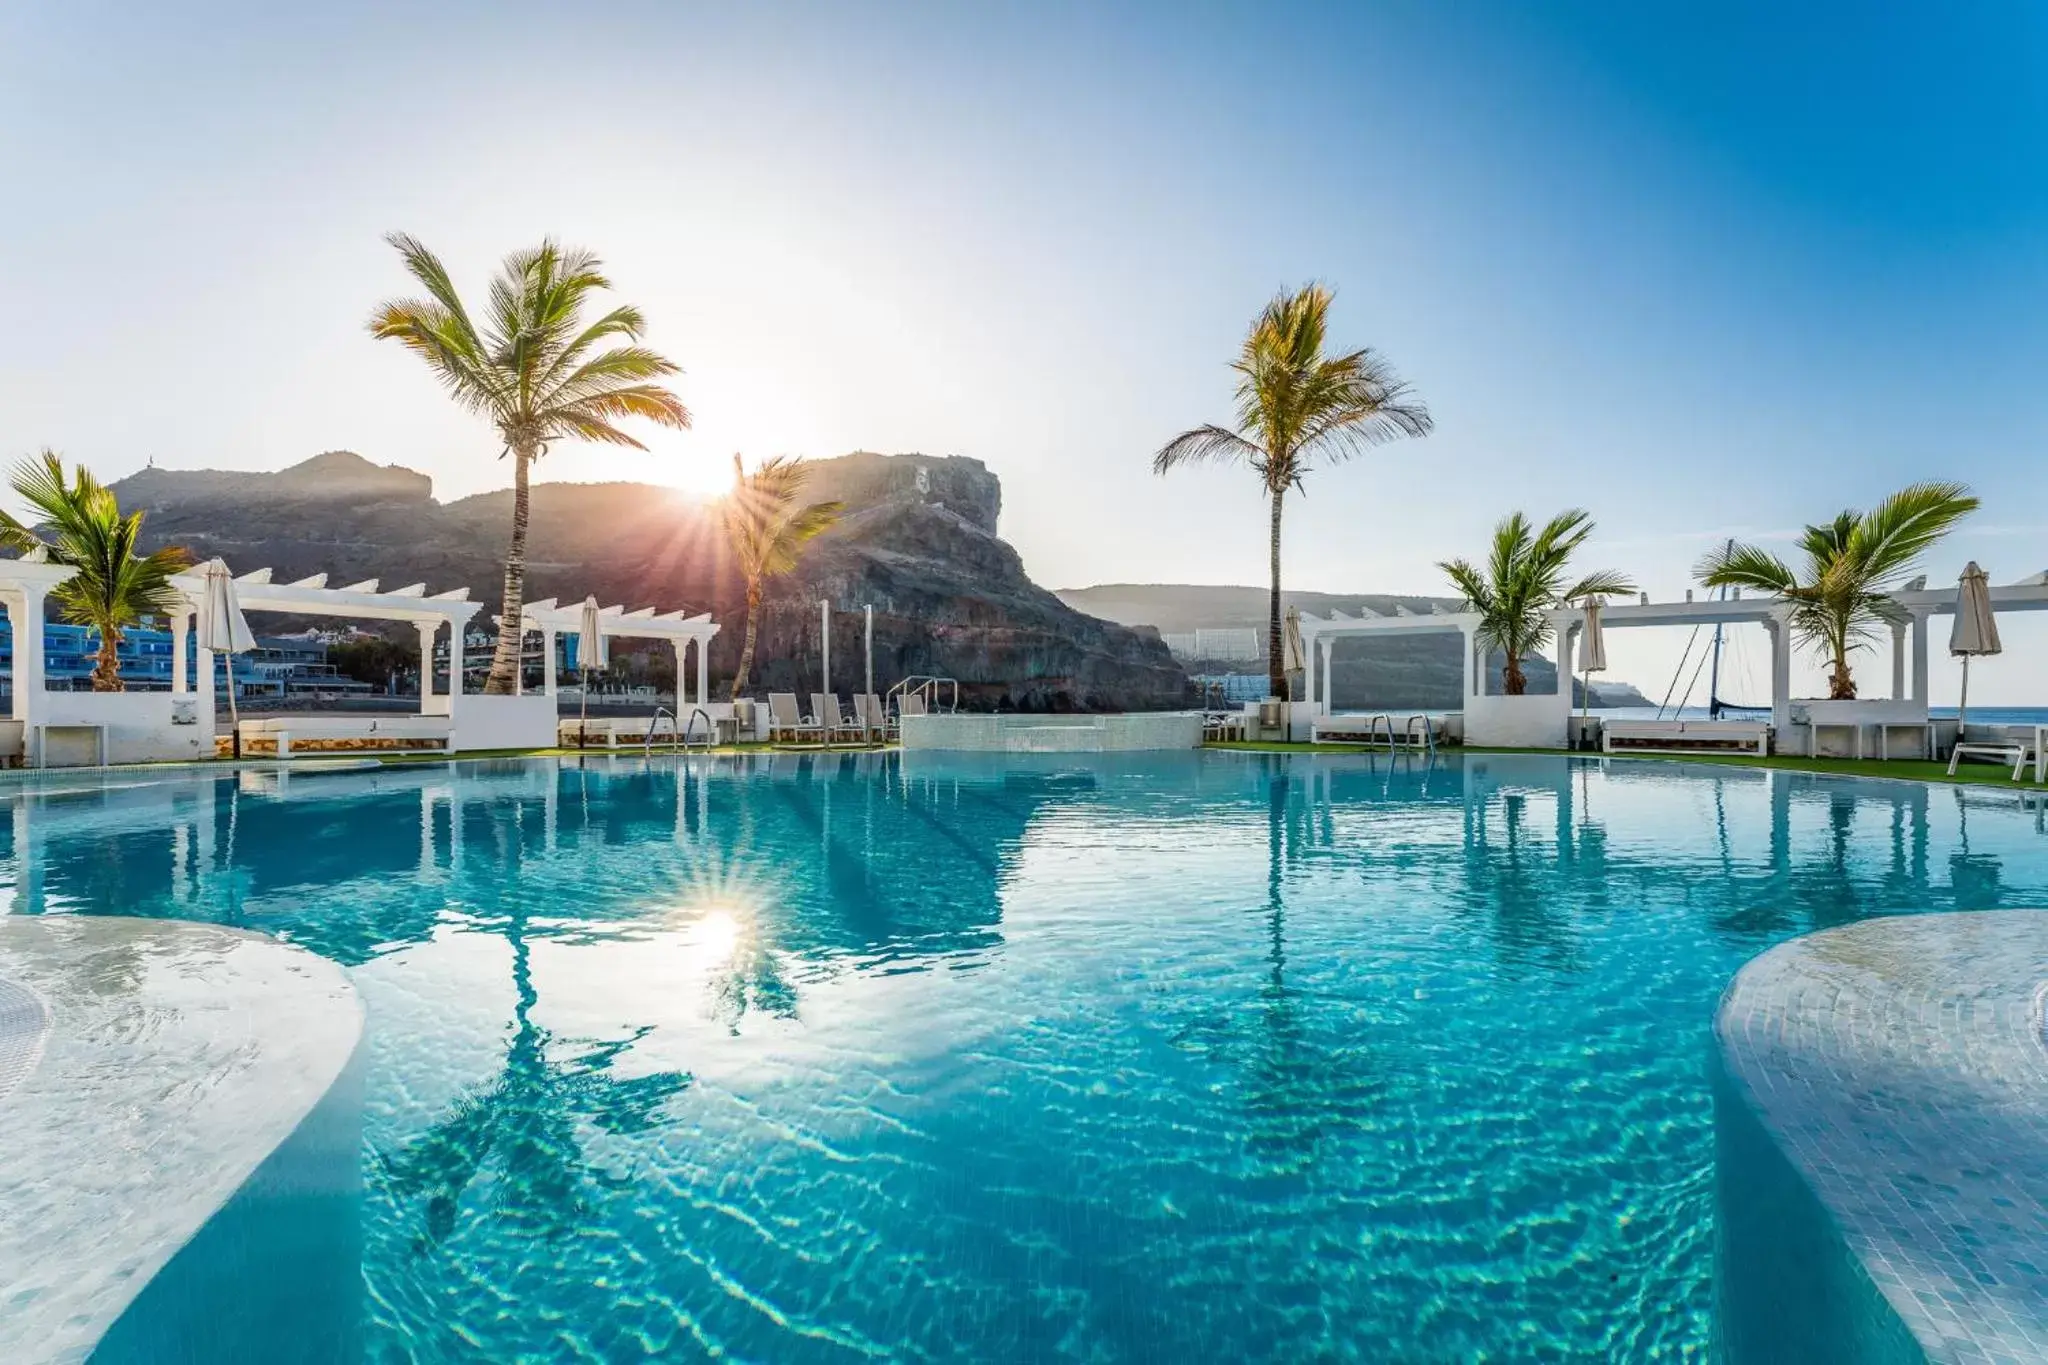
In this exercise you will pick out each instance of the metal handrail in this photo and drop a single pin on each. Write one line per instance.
(647, 740)
(710, 729)
(1428, 733)
(1372, 730)
(928, 684)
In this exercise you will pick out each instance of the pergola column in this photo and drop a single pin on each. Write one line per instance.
(682, 649)
(25, 614)
(1472, 679)
(1780, 631)
(1323, 676)
(455, 634)
(181, 630)
(703, 670)
(1898, 661)
(1920, 654)
(427, 630)
(547, 661)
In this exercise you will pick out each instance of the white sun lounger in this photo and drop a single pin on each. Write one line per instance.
(785, 722)
(825, 708)
(874, 720)
(2001, 751)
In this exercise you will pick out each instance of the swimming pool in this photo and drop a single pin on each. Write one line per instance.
(1124, 1057)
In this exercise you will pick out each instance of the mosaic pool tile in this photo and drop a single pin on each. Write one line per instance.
(1900, 1065)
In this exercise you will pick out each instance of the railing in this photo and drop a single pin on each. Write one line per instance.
(710, 728)
(1372, 730)
(654, 723)
(927, 686)
(1428, 734)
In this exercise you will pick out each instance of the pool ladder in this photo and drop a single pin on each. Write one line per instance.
(683, 733)
(1406, 737)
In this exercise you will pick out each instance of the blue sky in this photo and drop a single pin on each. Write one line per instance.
(1706, 273)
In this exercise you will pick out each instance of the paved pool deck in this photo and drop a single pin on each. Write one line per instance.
(148, 1068)
(1901, 1065)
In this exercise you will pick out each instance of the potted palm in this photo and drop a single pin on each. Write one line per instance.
(1839, 598)
(112, 586)
(1517, 596)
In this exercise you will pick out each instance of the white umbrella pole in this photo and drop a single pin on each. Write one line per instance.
(1963, 702)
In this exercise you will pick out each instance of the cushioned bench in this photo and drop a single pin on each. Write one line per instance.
(1686, 736)
(288, 735)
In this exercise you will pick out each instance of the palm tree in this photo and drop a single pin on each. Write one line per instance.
(532, 372)
(112, 587)
(1852, 564)
(768, 530)
(1523, 582)
(1297, 407)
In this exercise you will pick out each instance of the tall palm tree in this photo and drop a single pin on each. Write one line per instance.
(1296, 408)
(1852, 565)
(534, 371)
(768, 529)
(82, 528)
(1523, 582)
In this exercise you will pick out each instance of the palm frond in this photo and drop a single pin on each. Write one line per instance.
(1746, 566)
(1206, 444)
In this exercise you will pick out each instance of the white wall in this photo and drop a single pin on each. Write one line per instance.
(1526, 722)
(1024, 734)
(138, 724)
(526, 722)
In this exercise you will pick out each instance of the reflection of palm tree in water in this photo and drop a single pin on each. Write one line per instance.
(526, 1121)
(1529, 911)
(1301, 1090)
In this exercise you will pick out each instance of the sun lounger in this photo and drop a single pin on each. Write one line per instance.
(786, 723)
(2001, 751)
(874, 720)
(825, 709)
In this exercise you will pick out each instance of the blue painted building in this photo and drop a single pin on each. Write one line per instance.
(279, 666)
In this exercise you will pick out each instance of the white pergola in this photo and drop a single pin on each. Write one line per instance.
(257, 591)
(552, 619)
(1915, 606)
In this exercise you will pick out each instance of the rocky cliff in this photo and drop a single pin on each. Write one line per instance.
(918, 543)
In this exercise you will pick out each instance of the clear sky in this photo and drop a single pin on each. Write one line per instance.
(1704, 270)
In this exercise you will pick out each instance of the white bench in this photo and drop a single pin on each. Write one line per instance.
(1686, 736)
(286, 735)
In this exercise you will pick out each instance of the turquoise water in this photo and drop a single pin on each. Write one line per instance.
(1147, 1058)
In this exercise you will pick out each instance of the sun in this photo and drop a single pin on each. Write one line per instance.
(700, 476)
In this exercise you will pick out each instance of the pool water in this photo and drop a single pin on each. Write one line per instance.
(1110, 1058)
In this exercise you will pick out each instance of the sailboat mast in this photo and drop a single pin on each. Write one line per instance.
(1714, 673)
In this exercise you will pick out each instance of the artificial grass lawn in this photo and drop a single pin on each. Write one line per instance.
(1911, 770)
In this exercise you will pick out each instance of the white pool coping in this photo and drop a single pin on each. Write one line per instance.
(174, 1058)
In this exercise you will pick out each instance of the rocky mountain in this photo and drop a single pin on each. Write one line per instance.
(919, 543)
(1399, 672)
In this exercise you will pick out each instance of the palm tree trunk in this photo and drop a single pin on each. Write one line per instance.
(739, 679)
(505, 664)
(1276, 652)
(106, 671)
(1512, 680)
(1842, 684)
